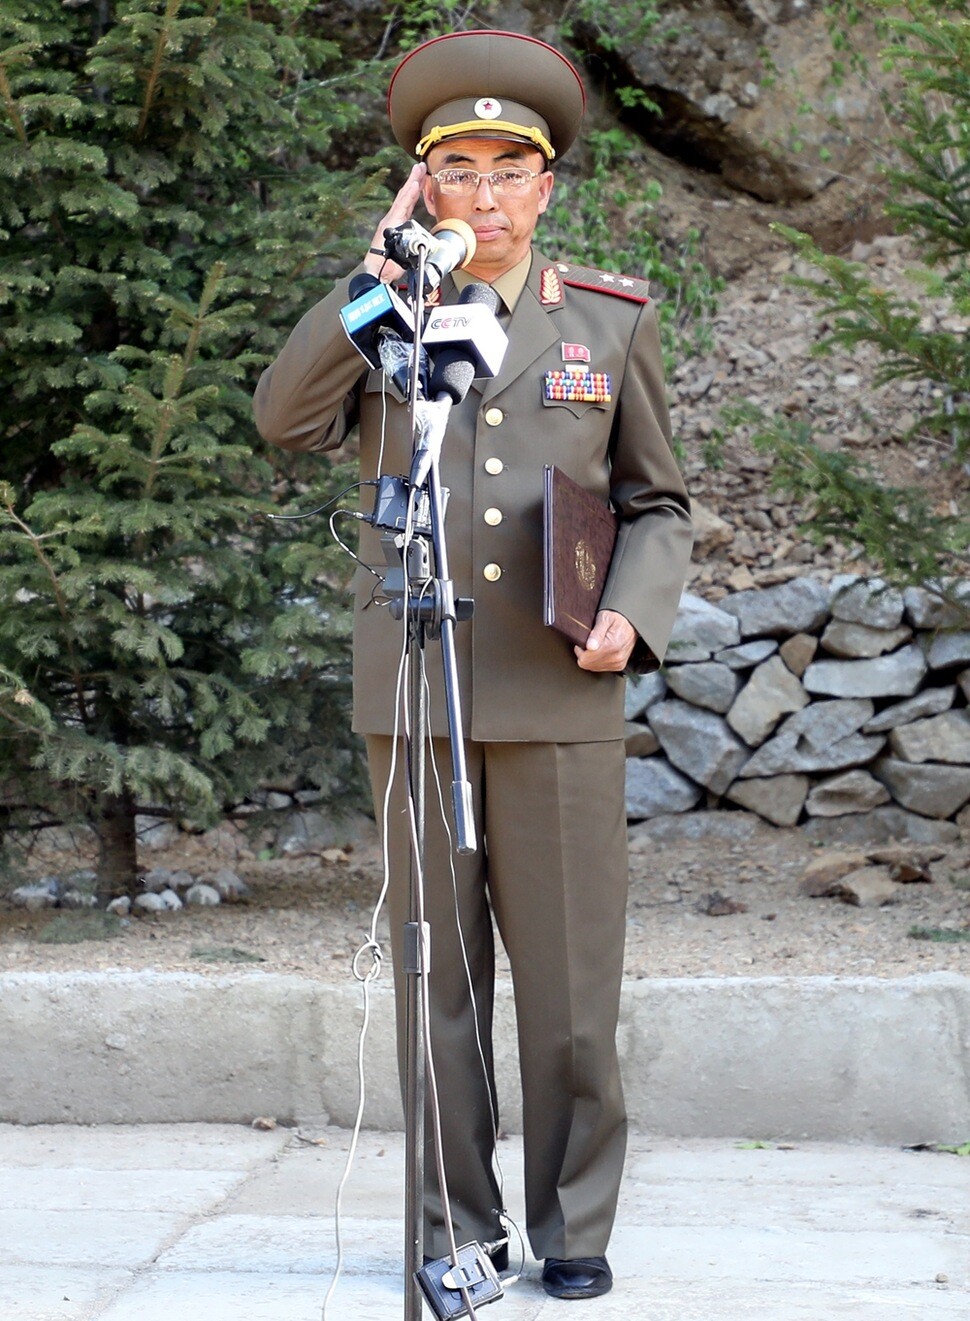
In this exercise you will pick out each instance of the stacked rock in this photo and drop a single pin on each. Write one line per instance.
(806, 700)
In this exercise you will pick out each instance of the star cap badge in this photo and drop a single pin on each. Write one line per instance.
(487, 107)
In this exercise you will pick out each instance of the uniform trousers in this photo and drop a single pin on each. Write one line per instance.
(552, 867)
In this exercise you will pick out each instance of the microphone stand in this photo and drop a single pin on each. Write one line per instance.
(429, 609)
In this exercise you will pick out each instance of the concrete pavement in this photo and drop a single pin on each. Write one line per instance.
(213, 1222)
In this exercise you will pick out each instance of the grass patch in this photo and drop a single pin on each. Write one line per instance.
(72, 928)
(941, 935)
(226, 954)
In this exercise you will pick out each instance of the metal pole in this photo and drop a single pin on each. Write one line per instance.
(414, 968)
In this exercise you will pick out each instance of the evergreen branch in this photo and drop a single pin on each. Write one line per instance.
(51, 572)
(11, 103)
(161, 45)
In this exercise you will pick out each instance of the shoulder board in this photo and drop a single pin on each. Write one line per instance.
(588, 277)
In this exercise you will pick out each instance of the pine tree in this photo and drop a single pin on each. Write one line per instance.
(929, 190)
(166, 214)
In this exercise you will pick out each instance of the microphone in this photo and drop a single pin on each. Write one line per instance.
(449, 245)
(374, 310)
(465, 341)
(461, 331)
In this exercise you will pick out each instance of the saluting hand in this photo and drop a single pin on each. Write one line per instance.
(610, 644)
(400, 211)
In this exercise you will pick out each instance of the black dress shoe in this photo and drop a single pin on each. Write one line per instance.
(577, 1277)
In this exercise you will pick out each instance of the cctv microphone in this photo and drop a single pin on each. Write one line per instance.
(465, 340)
(374, 310)
(449, 245)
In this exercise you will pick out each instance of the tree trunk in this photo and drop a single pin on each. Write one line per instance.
(118, 855)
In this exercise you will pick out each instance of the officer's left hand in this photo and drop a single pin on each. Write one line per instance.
(609, 645)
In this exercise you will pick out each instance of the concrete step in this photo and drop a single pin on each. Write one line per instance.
(846, 1059)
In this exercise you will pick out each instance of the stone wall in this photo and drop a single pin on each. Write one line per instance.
(808, 701)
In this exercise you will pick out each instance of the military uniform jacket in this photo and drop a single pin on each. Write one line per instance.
(519, 679)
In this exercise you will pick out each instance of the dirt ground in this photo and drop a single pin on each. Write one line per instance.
(309, 915)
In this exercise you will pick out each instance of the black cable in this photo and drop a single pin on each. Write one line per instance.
(356, 486)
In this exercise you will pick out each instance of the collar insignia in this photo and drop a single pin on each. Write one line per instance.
(550, 287)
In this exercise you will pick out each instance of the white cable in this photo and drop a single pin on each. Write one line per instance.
(372, 944)
(373, 973)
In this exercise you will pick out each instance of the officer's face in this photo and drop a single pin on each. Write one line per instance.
(503, 225)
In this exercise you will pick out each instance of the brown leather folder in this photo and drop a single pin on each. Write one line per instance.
(579, 533)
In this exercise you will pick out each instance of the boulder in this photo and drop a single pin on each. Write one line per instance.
(930, 610)
(882, 825)
(785, 755)
(771, 692)
(897, 675)
(206, 896)
(940, 738)
(305, 833)
(821, 872)
(946, 649)
(747, 654)
(869, 887)
(157, 880)
(640, 740)
(155, 832)
(699, 630)
(710, 531)
(778, 799)
(932, 790)
(36, 897)
(699, 743)
(853, 791)
(704, 70)
(705, 683)
(867, 601)
(642, 692)
(929, 702)
(731, 827)
(854, 641)
(798, 652)
(798, 606)
(821, 737)
(654, 788)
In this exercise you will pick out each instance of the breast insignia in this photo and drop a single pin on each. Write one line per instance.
(605, 282)
(578, 385)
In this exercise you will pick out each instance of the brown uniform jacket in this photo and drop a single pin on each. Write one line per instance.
(519, 679)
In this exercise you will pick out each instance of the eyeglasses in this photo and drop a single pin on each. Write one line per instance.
(464, 183)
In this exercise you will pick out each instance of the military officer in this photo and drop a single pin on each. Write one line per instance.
(487, 114)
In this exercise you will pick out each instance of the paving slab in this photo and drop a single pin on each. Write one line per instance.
(55, 1293)
(712, 1230)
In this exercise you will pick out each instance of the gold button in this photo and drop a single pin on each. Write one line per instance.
(494, 466)
(494, 417)
(493, 517)
(492, 573)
